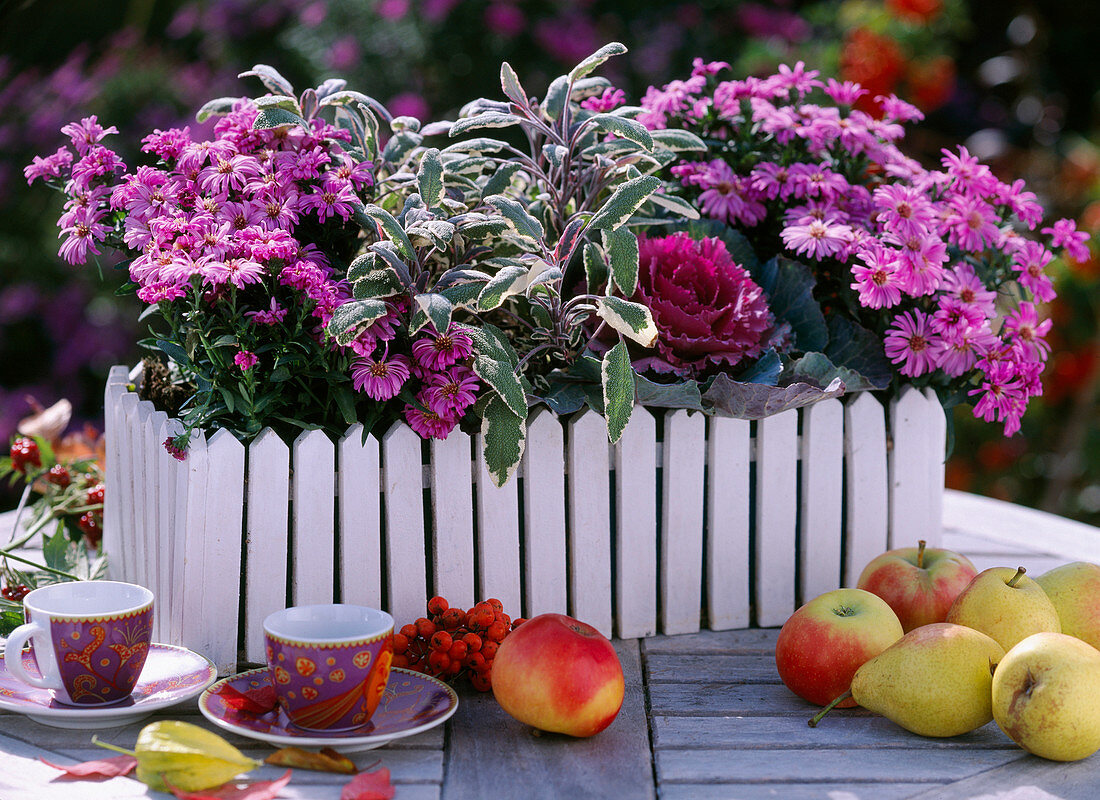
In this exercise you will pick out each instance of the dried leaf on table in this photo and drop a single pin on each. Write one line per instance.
(369, 786)
(103, 768)
(259, 790)
(255, 701)
(327, 760)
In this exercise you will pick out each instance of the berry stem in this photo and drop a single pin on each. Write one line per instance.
(920, 553)
(816, 718)
(1016, 578)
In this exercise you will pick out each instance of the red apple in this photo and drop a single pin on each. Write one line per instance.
(919, 583)
(558, 674)
(825, 641)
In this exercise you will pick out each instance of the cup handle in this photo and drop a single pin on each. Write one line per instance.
(13, 655)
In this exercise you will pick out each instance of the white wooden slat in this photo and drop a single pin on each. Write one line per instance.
(497, 536)
(937, 458)
(156, 485)
(112, 506)
(406, 567)
(589, 541)
(452, 519)
(865, 473)
(266, 537)
(544, 516)
(728, 524)
(187, 612)
(682, 522)
(821, 495)
(776, 510)
(128, 488)
(313, 526)
(636, 527)
(907, 471)
(177, 527)
(358, 491)
(139, 423)
(221, 586)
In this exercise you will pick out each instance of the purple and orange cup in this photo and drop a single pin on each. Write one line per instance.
(90, 640)
(329, 663)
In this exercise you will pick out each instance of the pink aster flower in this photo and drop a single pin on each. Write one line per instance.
(957, 354)
(48, 167)
(910, 342)
(608, 101)
(817, 239)
(238, 271)
(329, 202)
(896, 109)
(1029, 263)
(1023, 325)
(450, 393)
(436, 352)
(83, 233)
(380, 378)
(877, 279)
(272, 316)
(1065, 234)
(245, 359)
(845, 93)
(963, 283)
(968, 172)
(428, 424)
(903, 210)
(971, 223)
(87, 133)
(1003, 396)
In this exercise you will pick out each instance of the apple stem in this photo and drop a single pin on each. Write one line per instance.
(812, 722)
(920, 553)
(1015, 578)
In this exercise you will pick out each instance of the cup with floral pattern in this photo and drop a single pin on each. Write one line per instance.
(90, 640)
(329, 663)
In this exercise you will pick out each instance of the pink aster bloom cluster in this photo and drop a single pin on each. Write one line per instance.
(925, 252)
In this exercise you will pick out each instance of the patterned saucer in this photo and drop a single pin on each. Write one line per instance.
(411, 704)
(170, 675)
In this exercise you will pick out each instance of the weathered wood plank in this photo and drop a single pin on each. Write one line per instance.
(681, 564)
(589, 521)
(720, 698)
(313, 490)
(1026, 777)
(453, 519)
(266, 537)
(636, 527)
(544, 516)
(821, 496)
(24, 777)
(789, 791)
(728, 589)
(695, 668)
(748, 640)
(775, 732)
(776, 516)
(780, 766)
(488, 749)
(360, 499)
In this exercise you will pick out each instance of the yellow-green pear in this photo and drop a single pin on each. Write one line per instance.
(1074, 589)
(935, 680)
(1046, 696)
(1005, 604)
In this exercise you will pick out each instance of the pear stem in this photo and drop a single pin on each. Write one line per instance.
(1015, 578)
(812, 722)
(920, 553)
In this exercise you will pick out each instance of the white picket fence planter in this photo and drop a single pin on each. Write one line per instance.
(717, 522)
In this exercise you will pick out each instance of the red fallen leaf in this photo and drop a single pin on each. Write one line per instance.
(103, 768)
(254, 701)
(260, 790)
(369, 786)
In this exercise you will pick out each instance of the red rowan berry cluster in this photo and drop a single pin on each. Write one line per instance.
(15, 593)
(24, 452)
(450, 642)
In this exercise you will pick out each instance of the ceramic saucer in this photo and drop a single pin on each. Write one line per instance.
(411, 704)
(170, 675)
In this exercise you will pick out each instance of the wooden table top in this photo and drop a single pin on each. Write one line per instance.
(705, 716)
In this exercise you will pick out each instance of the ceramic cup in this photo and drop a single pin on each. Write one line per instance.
(329, 663)
(89, 639)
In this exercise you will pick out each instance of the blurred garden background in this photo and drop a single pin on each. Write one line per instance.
(1015, 81)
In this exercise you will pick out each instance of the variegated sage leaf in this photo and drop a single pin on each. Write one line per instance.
(544, 277)
(490, 341)
(554, 154)
(632, 320)
(484, 228)
(400, 145)
(476, 146)
(351, 319)
(376, 284)
(309, 103)
(679, 141)
(502, 379)
(522, 222)
(387, 251)
(589, 87)
(556, 96)
(593, 61)
(279, 101)
(270, 77)
(429, 177)
(489, 119)
(330, 87)
(390, 227)
(501, 179)
(438, 309)
(508, 281)
(216, 108)
(595, 267)
(623, 128)
(464, 295)
(624, 201)
(622, 250)
(676, 205)
(350, 98)
(513, 89)
(276, 118)
(570, 238)
(618, 389)
(437, 231)
(504, 435)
